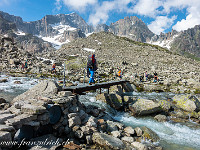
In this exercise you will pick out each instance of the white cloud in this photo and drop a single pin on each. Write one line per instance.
(79, 5)
(4, 2)
(58, 5)
(101, 14)
(161, 23)
(146, 7)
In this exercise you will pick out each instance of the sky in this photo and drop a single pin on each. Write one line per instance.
(159, 15)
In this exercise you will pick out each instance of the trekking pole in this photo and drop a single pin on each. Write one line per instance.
(64, 76)
(84, 76)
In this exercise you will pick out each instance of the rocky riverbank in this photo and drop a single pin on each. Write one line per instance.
(45, 112)
(180, 108)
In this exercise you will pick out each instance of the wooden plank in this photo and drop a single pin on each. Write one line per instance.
(83, 88)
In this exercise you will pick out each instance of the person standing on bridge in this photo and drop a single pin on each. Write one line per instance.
(91, 67)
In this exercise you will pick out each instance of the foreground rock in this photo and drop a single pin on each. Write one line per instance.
(145, 107)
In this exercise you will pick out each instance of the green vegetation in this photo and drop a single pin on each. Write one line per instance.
(189, 55)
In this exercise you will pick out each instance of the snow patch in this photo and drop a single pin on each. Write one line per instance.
(89, 50)
(88, 34)
(164, 43)
(19, 32)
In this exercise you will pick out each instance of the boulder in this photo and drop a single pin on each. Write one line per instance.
(74, 121)
(187, 103)
(165, 105)
(138, 131)
(160, 118)
(139, 146)
(107, 141)
(144, 107)
(129, 131)
(127, 139)
(149, 134)
(116, 134)
(44, 88)
(3, 80)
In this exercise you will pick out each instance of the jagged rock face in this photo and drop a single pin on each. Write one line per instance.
(33, 44)
(44, 26)
(6, 26)
(131, 27)
(71, 35)
(188, 42)
(101, 27)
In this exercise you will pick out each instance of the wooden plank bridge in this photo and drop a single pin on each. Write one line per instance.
(83, 88)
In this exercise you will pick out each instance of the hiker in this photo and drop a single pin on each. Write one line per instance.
(22, 67)
(155, 77)
(145, 76)
(91, 68)
(120, 74)
(26, 65)
(53, 68)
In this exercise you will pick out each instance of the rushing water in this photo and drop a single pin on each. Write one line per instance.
(173, 136)
(9, 90)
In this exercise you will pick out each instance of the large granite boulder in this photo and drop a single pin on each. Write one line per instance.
(107, 141)
(145, 107)
(187, 103)
(45, 88)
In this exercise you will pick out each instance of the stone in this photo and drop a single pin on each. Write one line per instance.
(45, 88)
(127, 139)
(107, 141)
(74, 121)
(31, 109)
(160, 118)
(186, 103)
(113, 126)
(89, 139)
(165, 105)
(5, 136)
(144, 107)
(64, 93)
(18, 82)
(79, 134)
(67, 130)
(129, 131)
(149, 134)
(6, 128)
(65, 122)
(116, 134)
(138, 131)
(43, 117)
(86, 130)
(2, 100)
(3, 80)
(82, 114)
(74, 109)
(72, 115)
(33, 123)
(95, 112)
(4, 117)
(139, 146)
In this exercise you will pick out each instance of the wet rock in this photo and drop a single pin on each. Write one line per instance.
(139, 146)
(149, 134)
(18, 82)
(6, 128)
(116, 134)
(127, 139)
(144, 107)
(138, 131)
(160, 118)
(129, 131)
(3, 80)
(107, 141)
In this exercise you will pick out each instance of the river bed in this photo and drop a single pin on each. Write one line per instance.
(173, 136)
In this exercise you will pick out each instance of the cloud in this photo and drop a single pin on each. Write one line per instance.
(146, 8)
(79, 5)
(192, 19)
(161, 23)
(4, 2)
(58, 5)
(102, 11)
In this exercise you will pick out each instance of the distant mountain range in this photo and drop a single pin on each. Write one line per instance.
(63, 28)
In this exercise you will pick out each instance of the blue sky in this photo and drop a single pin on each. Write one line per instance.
(159, 15)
